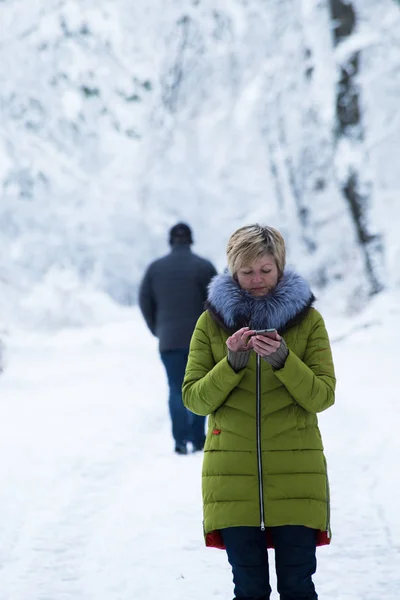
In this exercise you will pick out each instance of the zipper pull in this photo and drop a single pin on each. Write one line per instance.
(262, 526)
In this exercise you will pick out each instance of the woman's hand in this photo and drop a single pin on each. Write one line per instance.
(264, 346)
(241, 340)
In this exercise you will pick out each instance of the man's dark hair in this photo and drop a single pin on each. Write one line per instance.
(180, 234)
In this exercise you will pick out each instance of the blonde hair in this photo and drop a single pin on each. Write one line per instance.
(249, 243)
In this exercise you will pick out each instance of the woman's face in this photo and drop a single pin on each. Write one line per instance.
(259, 277)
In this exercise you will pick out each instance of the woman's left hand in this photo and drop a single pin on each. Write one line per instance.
(264, 346)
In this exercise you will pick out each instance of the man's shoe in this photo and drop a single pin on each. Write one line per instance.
(180, 449)
(198, 447)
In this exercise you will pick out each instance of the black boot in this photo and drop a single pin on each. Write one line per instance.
(198, 447)
(180, 449)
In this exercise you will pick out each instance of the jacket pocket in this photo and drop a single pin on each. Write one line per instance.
(213, 433)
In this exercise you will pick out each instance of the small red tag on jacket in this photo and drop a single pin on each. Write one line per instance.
(216, 431)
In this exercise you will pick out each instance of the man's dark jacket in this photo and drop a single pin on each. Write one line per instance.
(172, 296)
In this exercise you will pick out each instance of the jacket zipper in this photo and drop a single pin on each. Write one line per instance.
(259, 454)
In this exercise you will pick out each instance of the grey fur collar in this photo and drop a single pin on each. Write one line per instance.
(233, 307)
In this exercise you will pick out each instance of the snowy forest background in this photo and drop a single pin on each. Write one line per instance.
(119, 118)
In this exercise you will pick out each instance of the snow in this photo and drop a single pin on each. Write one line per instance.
(96, 506)
(117, 120)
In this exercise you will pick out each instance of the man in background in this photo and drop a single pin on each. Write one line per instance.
(171, 297)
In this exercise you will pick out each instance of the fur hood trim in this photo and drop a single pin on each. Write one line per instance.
(233, 308)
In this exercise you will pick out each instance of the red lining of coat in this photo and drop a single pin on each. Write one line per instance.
(214, 539)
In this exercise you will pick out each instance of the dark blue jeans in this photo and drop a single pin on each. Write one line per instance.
(186, 426)
(295, 561)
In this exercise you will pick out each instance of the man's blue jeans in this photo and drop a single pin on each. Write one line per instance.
(186, 426)
(295, 561)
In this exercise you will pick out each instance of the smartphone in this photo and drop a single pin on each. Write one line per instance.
(271, 332)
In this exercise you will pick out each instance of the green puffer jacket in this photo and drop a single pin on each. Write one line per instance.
(292, 482)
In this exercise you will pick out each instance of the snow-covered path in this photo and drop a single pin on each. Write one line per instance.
(95, 506)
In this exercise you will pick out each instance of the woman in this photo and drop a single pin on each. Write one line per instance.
(264, 472)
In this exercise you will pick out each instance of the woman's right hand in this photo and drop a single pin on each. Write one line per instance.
(241, 340)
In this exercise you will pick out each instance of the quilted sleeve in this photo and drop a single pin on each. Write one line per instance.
(207, 384)
(311, 381)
